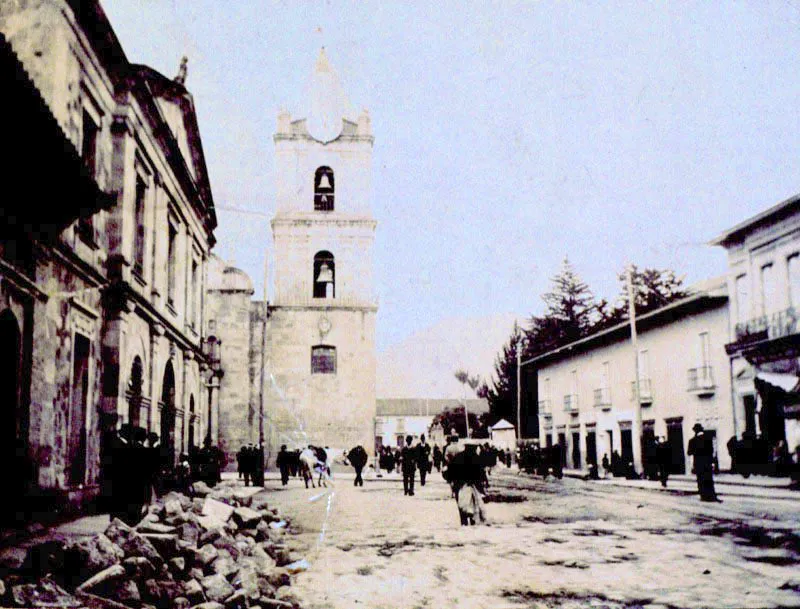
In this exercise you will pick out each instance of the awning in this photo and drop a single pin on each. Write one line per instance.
(789, 383)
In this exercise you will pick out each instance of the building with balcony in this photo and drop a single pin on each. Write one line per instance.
(681, 346)
(102, 258)
(764, 335)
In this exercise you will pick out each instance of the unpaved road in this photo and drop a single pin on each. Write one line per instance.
(556, 543)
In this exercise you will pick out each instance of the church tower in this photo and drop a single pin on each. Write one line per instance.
(321, 341)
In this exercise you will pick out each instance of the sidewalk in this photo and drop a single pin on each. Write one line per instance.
(731, 485)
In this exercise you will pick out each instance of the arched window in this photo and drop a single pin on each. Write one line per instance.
(323, 189)
(324, 275)
(323, 359)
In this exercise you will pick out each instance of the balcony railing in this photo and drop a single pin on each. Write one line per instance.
(768, 327)
(571, 402)
(602, 398)
(544, 408)
(701, 380)
(645, 391)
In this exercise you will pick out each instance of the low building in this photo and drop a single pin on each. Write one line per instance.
(764, 343)
(587, 388)
(401, 417)
(503, 435)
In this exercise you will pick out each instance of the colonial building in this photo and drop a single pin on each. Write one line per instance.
(587, 391)
(104, 255)
(309, 374)
(764, 343)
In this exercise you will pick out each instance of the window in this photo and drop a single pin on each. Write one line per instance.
(644, 364)
(323, 360)
(705, 348)
(324, 275)
(793, 264)
(171, 262)
(768, 300)
(76, 468)
(323, 189)
(742, 299)
(89, 155)
(605, 375)
(138, 243)
(193, 293)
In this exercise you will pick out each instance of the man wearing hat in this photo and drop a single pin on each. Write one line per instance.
(701, 447)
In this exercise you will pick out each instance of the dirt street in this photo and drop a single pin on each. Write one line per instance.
(555, 543)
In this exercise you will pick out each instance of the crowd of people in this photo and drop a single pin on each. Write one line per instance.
(136, 467)
(250, 464)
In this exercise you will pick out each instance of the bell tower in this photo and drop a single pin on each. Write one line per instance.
(321, 342)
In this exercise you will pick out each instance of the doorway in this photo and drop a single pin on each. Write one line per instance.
(675, 440)
(13, 440)
(626, 438)
(168, 415)
(76, 460)
(576, 450)
(562, 445)
(591, 448)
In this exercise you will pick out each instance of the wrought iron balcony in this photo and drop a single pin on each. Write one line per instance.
(571, 402)
(602, 398)
(701, 380)
(545, 409)
(645, 391)
(768, 327)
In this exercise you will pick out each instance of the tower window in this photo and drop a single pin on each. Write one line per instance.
(324, 275)
(323, 359)
(323, 189)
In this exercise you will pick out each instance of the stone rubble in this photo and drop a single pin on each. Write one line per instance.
(221, 551)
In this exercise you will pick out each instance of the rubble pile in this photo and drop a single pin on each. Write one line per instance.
(218, 551)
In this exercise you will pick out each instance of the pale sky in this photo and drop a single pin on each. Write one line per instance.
(507, 134)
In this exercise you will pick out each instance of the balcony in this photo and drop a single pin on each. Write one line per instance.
(545, 409)
(701, 380)
(767, 327)
(645, 391)
(602, 398)
(571, 403)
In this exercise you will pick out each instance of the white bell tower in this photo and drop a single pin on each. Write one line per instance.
(321, 341)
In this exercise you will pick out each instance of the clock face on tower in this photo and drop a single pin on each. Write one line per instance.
(324, 326)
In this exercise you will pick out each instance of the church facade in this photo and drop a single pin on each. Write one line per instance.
(312, 360)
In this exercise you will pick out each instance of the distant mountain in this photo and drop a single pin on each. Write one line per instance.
(423, 365)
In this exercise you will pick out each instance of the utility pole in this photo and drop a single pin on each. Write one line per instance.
(263, 373)
(637, 424)
(519, 390)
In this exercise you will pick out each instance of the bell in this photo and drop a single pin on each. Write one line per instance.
(324, 182)
(325, 274)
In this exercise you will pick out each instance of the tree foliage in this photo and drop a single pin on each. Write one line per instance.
(453, 418)
(571, 313)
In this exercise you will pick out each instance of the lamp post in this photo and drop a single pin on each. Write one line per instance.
(519, 390)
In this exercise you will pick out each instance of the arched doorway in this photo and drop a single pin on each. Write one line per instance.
(135, 384)
(168, 415)
(13, 447)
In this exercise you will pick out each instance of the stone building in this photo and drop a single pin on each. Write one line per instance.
(103, 260)
(587, 394)
(312, 350)
(764, 340)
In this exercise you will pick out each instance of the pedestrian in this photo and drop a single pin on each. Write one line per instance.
(663, 459)
(701, 447)
(606, 465)
(423, 459)
(358, 459)
(508, 458)
(467, 476)
(438, 456)
(409, 465)
(240, 461)
(282, 461)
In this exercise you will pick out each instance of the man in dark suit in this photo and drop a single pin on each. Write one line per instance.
(409, 460)
(701, 447)
(423, 459)
(358, 459)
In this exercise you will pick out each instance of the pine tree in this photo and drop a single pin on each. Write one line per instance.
(652, 288)
(502, 395)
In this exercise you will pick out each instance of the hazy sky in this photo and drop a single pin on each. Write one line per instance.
(507, 134)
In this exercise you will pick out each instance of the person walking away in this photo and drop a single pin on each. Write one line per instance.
(663, 459)
(437, 457)
(358, 459)
(409, 464)
(467, 476)
(508, 458)
(702, 449)
(282, 461)
(423, 459)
